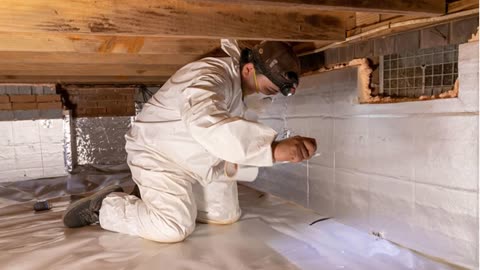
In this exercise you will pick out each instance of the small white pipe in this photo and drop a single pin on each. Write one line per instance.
(396, 25)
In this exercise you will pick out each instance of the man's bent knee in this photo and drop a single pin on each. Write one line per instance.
(169, 235)
(225, 219)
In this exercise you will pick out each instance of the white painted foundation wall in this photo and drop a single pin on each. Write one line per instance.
(31, 149)
(406, 170)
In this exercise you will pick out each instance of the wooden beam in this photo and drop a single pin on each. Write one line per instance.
(404, 7)
(22, 69)
(49, 58)
(309, 46)
(363, 18)
(171, 18)
(462, 5)
(358, 29)
(107, 44)
(84, 79)
(406, 23)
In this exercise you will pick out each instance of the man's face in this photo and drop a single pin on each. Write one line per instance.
(265, 86)
(253, 82)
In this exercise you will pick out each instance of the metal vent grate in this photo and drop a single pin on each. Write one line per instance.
(425, 72)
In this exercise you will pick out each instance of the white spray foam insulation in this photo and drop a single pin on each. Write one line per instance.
(31, 149)
(408, 171)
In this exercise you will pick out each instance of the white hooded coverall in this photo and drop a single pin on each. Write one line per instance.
(178, 147)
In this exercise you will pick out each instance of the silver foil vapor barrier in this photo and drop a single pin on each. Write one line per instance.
(100, 140)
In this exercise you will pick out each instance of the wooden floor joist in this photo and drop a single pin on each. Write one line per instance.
(84, 79)
(404, 7)
(460, 5)
(86, 43)
(171, 18)
(52, 58)
(22, 69)
(146, 41)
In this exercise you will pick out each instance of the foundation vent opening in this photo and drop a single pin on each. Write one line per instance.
(422, 74)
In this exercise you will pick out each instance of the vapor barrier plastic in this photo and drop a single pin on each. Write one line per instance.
(271, 234)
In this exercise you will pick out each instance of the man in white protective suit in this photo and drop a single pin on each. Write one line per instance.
(191, 143)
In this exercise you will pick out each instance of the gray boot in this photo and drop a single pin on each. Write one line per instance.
(85, 211)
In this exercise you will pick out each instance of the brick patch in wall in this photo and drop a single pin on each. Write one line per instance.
(22, 98)
(111, 103)
(4, 99)
(120, 110)
(48, 98)
(90, 111)
(49, 105)
(91, 101)
(30, 102)
(6, 106)
(24, 106)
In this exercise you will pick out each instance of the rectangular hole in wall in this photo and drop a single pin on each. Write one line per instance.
(423, 73)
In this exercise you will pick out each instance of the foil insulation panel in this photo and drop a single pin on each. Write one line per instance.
(100, 140)
(67, 141)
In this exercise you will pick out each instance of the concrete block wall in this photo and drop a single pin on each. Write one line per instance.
(454, 32)
(31, 149)
(27, 89)
(407, 170)
(31, 132)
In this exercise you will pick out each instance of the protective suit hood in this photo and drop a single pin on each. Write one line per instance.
(230, 47)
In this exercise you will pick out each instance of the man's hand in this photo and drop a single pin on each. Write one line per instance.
(295, 149)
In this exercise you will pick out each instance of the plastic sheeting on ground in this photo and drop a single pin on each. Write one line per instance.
(272, 234)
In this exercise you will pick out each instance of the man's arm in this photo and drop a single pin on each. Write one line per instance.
(233, 139)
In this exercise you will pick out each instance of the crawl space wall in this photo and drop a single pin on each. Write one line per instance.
(31, 133)
(406, 171)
